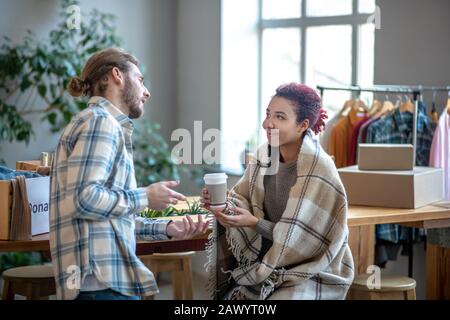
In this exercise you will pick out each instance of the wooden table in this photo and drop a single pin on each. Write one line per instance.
(361, 222)
(41, 243)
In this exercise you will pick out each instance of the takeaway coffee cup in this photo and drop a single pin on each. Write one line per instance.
(216, 184)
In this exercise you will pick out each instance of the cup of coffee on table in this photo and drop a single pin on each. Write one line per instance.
(216, 184)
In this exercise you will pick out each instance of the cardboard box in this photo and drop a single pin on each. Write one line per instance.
(38, 191)
(5, 209)
(385, 156)
(32, 165)
(393, 189)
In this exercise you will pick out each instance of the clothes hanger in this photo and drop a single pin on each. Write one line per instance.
(399, 101)
(386, 108)
(346, 107)
(434, 114)
(376, 106)
(392, 107)
(407, 105)
(358, 109)
(359, 106)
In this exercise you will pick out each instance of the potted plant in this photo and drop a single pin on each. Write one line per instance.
(191, 208)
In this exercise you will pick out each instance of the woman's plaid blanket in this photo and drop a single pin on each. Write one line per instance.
(310, 257)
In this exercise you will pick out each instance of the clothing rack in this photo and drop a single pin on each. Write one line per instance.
(416, 92)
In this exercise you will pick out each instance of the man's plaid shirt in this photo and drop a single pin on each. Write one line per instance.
(94, 202)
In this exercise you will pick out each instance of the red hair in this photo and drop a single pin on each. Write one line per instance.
(308, 104)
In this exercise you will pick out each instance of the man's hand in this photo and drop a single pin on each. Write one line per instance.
(160, 194)
(242, 218)
(187, 228)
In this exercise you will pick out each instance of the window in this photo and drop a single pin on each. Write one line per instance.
(324, 42)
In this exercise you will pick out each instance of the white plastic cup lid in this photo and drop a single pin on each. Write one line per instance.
(215, 178)
(219, 206)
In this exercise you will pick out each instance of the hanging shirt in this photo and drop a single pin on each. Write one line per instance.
(326, 135)
(341, 135)
(440, 150)
(362, 135)
(353, 150)
(440, 158)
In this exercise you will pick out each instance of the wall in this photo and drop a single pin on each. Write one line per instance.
(198, 70)
(413, 44)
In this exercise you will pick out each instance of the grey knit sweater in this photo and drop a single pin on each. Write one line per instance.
(276, 195)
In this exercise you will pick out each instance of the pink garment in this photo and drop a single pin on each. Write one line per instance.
(440, 150)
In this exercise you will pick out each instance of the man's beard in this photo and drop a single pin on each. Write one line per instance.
(131, 100)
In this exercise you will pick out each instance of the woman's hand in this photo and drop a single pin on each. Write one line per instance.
(242, 218)
(187, 228)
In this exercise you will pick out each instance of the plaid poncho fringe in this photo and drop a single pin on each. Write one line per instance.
(310, 257)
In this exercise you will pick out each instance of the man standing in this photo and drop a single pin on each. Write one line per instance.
(94, 197)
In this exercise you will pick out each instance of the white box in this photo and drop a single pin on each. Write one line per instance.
(38, 191)
(395, 189)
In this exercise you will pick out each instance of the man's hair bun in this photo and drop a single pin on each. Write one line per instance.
(78, 87)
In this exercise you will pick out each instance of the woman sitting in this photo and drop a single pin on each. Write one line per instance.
(283, 233)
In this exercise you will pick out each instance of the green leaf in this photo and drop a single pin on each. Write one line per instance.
(26, 83)
(52, 118)
(42, 89)
(53, 90)
(67, 116)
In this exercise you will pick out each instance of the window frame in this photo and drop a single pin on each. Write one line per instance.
(355, 20)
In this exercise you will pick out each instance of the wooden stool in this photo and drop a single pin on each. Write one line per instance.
(179, 264)
(33, 282)
(392, 287)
